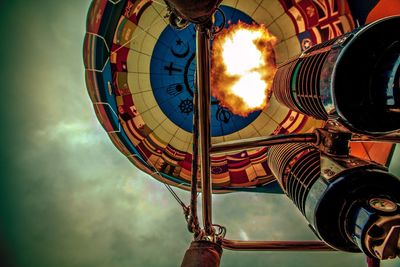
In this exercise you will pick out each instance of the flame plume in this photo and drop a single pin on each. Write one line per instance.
(243, 67)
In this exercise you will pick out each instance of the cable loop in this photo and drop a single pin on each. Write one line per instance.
(219, 233)
(218, 29)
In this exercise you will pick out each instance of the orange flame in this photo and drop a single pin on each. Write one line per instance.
(243, 67)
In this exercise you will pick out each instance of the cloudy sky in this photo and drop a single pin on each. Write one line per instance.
(69, 198)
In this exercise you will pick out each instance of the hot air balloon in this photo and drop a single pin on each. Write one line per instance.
(141, 77)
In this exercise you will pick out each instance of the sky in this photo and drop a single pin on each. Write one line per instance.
(69, 198)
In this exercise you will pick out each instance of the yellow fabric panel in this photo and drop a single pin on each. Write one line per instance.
(286, 26)
(277, 111)
(274, 8)
(276, 30)
(149, 100)
(262, 16)
(144, 64)
(264, 125)
(158, 26)
(148, 44)
(158, 115)
(179, 144)
(184, 135)
(171, 127)
(160, 7)
(247, 6)
(232, 136)
(137, 39)
(163, 134)
(248, 132)
(133, 61)
(293, 45)
(281, 53)
(148, 18)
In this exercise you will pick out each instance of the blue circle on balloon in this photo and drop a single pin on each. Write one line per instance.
(172, 77)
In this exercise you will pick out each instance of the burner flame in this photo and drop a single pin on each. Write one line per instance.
(243, 67)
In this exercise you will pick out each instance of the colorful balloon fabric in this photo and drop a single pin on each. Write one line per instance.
(140, 76)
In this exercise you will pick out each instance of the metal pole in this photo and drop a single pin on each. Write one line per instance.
(276, 245)
(373, 262)
(262, 142)
(384, 139)
(203, 83)
(193, 221)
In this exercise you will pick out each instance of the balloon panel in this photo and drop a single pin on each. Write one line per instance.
(172, 75)
(140, 77)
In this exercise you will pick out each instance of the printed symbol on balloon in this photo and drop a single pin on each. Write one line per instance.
(306, 43)
(180, 54)
(174, 89)
(186, 106)
(170, 68)
(223, 114)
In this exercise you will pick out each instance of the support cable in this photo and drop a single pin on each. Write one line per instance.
(193, 220)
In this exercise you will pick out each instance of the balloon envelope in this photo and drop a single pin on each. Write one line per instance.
(140, 77)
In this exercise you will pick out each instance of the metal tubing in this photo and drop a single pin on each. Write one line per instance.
(203, 83)
(193, 222)
(384, 139)
(262, 142)
(276, 245)
(373, 262)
